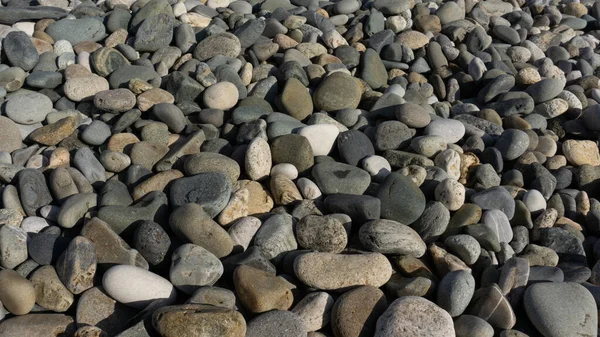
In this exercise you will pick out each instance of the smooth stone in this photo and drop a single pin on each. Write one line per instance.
(210, 190)
(137, 287)
(218, 297)
(192, 267)
(451, 130)
(337, 91)
(89, 165)
(29, 108)
(512, 143)
(323, 234)
(276, 236)
(574, 315)
(315, 310)
(495, 198)
(78, 30)
(328, 271)
(17, 294)
(20, 50)
(33, 191)
(191, 224)
(455, 291)
(355, 313)
(222, 96)
(401, 199)
(270, 323)
(321, 137)
(13, 246)
(354, 146)
(391, 237)
(332, 177)
(10, 139)
(74, 209)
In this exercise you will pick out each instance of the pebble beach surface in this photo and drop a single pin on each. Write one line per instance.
(299, 168)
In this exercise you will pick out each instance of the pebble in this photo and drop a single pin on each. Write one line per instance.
(136, 287)
(329, 271)
(576, 313)
(17, 294)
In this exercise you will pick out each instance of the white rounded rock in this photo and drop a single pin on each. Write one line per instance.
(286, 169)
(451, 130)
(258, 159)
(308, 188)
(222, 96)
(137, 287)
(534, 200)
(321, 137)
(377, 166)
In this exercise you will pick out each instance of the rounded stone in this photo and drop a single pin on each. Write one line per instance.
(391, 237)
(136, 287)
(17, 294)
(329, 271)
(29, 108)
(222, 96)
(192, 267)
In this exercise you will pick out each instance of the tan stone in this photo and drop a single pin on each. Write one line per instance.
(413, 39)
(259, 200)
(149, 98)
(117, 37)
(260, 291)
(120, 141)
(84, 88)
(52, 134)
(285, 42)
(138, 86)
(60, 157)
(581, 152)
(50, 293)
(17, 294)
(284, 190)
(236, 208)
(158, 182)
(76, 70)
(41, 45)
(86, 46)
(446, 262)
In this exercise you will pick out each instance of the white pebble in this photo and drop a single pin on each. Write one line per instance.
(137, 287)
(286, 169)
(321, 137)
(308, 188)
